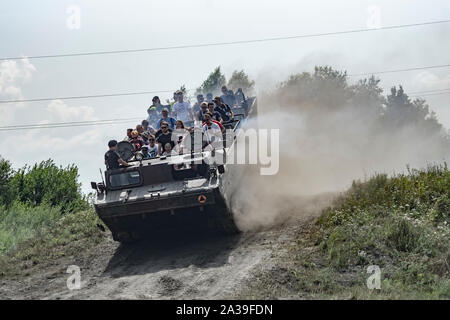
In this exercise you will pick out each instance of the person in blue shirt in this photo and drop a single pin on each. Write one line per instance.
(165, 117)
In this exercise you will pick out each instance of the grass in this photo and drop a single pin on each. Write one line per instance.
(401, 224)
(21, 222)
(33, 236)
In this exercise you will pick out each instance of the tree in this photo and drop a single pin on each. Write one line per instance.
(5, 178)
(213, 83)
(325, 89)
(401, 111)
(239, 79)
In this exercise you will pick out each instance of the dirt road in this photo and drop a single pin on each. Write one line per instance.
(185, 268)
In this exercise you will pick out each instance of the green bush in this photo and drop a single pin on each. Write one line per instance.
(33, 199)
(47, 183)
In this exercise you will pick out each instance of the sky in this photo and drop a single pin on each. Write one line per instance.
(30, 28)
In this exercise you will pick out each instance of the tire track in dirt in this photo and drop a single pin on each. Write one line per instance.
(193, 267)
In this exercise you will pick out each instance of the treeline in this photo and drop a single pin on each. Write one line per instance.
(356, 125)
(43, 183)
(327, 91)
(216, 79)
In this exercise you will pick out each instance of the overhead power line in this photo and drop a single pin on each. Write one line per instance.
(71, 122)
(428, 94)
(429, 91)
(91, 96)
(173, 90)
(225, 43)
(399, 70)
(68, 124)
(129, 120)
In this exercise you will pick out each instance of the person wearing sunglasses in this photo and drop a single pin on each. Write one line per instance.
(152, 146)
(163, 137)
(203, 109)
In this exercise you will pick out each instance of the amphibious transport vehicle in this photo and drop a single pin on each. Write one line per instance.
(192, 190)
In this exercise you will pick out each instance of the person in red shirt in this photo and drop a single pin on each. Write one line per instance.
(222, 128)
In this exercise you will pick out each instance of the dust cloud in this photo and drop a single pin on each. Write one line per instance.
(325, 145)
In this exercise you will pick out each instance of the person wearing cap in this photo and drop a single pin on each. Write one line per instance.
(156, 104)
(182, 109)
(145, 136)
(144, 152)
(225, 111)
(112, 158)
(165, 117)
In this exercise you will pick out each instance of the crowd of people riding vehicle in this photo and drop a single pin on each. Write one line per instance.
(164, 130)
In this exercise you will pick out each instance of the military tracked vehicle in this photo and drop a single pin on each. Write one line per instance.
(191, 190)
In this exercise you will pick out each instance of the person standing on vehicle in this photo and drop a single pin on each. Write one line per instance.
(225, 111)
(209, 97)
(112, 158)
(212, 131)
(156, 103)
(153, 116)
(196, 107)
(182, 109)
(202, 111)
(215, 114)
(240, 97)
(165, 118)
(164, 137)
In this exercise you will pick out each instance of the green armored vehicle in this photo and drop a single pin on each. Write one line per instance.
(191, 190)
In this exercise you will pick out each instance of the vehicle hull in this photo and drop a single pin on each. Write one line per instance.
(203, 210)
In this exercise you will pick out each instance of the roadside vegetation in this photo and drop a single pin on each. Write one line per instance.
(42, 215)
(400, 224)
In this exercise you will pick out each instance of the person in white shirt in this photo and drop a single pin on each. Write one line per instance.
(212, 131)
(152, 146)
(182, 109)
(168, 151)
